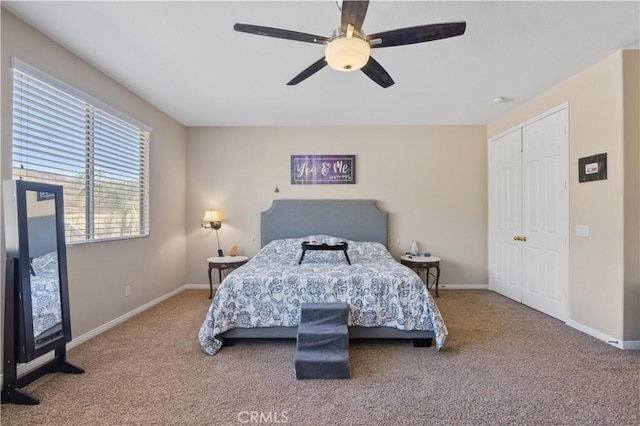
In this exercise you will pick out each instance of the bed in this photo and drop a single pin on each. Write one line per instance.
(46, 307)
(262, 298)
(45, 296)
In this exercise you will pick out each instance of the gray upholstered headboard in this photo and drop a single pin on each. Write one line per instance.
(42, 235)
(357, 220)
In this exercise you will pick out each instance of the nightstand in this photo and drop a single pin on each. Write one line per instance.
(423, 263)
(223, 263)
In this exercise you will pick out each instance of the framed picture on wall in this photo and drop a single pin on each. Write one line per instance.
(323, 169)
(592, 168)
(43, 196)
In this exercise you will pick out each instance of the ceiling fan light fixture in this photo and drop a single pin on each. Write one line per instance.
(347, 53)
(349, 47)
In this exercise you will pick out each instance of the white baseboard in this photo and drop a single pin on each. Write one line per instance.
(199, 286)
(597, 334)
(463, 286)
(631, 344)
(23, 369)
(122, 318)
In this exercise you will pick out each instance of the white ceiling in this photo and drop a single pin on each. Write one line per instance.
(185, 58)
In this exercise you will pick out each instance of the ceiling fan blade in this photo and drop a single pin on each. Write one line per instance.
(417, 34)
(279, 33)
(375, 72)
(311, 70)
(353, 12)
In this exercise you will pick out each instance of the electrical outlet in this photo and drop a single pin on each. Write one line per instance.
(127, 291)
(582, 230)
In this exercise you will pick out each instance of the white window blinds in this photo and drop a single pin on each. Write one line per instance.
(99, 156)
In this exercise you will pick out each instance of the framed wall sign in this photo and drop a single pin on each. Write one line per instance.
(592, 168)
(43, 196)
(323, 169)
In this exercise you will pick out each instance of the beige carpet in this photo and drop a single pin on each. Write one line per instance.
(503, 363)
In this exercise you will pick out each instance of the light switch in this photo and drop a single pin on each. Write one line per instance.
(582, 230)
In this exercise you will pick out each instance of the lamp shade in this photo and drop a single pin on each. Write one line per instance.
(347, 53)
(212, 216)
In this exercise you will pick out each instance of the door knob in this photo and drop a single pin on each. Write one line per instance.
(523, 238)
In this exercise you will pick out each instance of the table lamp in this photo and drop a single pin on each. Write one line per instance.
(213, 220)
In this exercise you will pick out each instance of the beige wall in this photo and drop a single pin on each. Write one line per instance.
(596, 277)
(631, 74)
(98, 272)
(431, 179)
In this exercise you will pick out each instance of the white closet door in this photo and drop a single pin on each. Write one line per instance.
(545, 214)
(529, 214)
(505, 269)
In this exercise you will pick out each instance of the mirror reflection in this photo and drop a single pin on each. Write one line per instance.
(43, 266)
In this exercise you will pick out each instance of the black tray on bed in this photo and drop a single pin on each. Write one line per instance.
(306, 245)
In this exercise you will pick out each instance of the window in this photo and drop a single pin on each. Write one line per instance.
(99, 155)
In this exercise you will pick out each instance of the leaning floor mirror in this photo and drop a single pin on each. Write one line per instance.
(36, 315)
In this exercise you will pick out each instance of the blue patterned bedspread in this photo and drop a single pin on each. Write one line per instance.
(45, 293)
(268, 291)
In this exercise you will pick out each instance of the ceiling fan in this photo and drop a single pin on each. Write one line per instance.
(349, 48)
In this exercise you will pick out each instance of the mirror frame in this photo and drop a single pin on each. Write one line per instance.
(17, 246)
